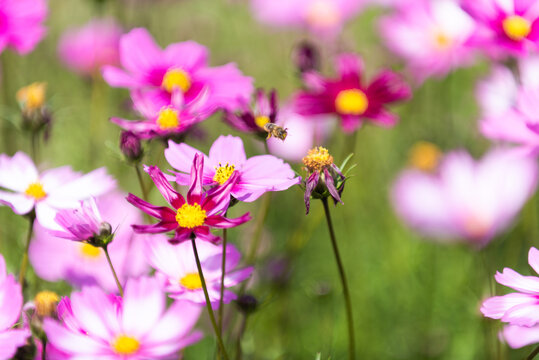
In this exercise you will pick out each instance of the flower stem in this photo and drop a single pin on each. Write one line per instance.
(346, 292)
(222, 290)
(243, 326)
(141, 182)
(533, 354)
(24, 262)
(208, 303)
(120, 289)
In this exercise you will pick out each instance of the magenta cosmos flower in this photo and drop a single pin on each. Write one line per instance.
(193, 215)
(176, 75)
(430, 35)
(505, 27)
(97, 325)
(81, 264)
(49, 191)
(466, 199)
(178, 273)
(85, 50)
(348, 98)
(10, 312)
(22, 24)
(255, 175)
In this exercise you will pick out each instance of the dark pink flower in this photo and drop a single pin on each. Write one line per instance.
(21, 24)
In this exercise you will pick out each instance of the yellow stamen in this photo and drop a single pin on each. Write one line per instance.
(317, 159)
(90, 251)
(351, 102)
(190, 216)
(168, 119)
(424, 156)
(222, 173)
(516, 27)
(32, 96)
(261, 120)
(176, 79)
(125, 345)
(46, 302)
(442, 40)
(36, 191)
(191, 281)
(323, 14)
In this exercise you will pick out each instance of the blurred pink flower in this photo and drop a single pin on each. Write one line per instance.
(60, 188)
(96, 325)
(430, 35)
(79, 224)
(178, 273)
(466, 199)
(80, 264)
(348, 98)
(10, 312)
(22, 24)
(85, 50)
(256, 175)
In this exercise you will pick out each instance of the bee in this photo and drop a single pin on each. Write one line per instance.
(276, 131)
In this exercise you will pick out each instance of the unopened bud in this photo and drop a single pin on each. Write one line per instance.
(306, 57)
(105, 229)
(46, 303)
(130, 145)
(247, 304)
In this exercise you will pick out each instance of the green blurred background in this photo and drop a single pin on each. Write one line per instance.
(412, 298)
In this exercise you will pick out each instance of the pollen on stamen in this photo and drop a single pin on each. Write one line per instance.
(191, 281)
(36, 191)
(190, 216)
(223, 173)
(125, 345)
(90, 252)
(516, 27)
(261, 120)
(176, 79)
(351, 102)
(425, 156)
(317, 159)
(168, 119)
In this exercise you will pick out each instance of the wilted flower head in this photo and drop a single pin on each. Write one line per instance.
(22, 24)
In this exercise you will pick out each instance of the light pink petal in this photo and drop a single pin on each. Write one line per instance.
(533, 259)
(227, 149)
(138, 51)
(143, 305)
(526, 314)
(20, 204)
(10, 302)
(118, 78)
(187, 55)
(17, 172)
(72, 342)
(520, 336)
(181, 156)
(10, 340)
(95, 312)
(496, 307)
(512, 279)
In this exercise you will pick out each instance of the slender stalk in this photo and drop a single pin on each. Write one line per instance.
(533, 354)
(208, 303)
(243, 326)
(141, 182)
(222, 290)
(120, 289)
(24, 262)
(44, 350)
(346, 292)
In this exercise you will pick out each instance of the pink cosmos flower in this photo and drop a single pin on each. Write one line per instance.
(81, 264)
(79, 224)
(176, 75)
(85, 50)
(348, 98)
(430, 35)
(466, 199)
(49, 191)
(178, 273)
(522, 307)
(255, 175)
(22, 24)
(504, 27)
(192, 216)
(10, 312)
(97, 325)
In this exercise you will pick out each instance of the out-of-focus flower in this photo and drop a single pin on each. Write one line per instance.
(85, 50)
(520, 336)
(520, 308)
(255, 175)
(22, 24)
(306, 57)
(466, 199)
(504, 27)
(94, 324)
(32, 97)
(425, 156)
(131, 146)
(10, 312)
(46, 302)
(177, 75)
(348, 98)
(195, 216)
(430, 35)
(49, 191)
(82, 264)
(322, 17)
(178, 273)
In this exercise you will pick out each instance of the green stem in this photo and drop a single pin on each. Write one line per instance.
(208, 303)
(222, 290)
(141, 182)
(533, 354)
(120, 289)
(44, 350)
(240, 335)
(346, 292)
(24, 262)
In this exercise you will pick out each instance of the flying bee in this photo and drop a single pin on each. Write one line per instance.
(276, 131)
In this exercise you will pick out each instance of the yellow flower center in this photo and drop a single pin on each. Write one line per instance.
(191, 281)
(323, 14)
(90, 251)
(516, 27)
(32, 96)
(190, 216)
(46, 302)
(351, 102)
(425, 156)
(317, 159)
(261, 120)
(176, 79)
(125, 345)
(36, 191)
(222, 173)
(441, 40)
(168, 119)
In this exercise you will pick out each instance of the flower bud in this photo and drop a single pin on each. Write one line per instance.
(247, 304)
(306, 57)
(46, 303)
(130, 146)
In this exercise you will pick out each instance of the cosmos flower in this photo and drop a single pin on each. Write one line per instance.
(94, 324)
(431, 36)
(85, 50)
(192, 216)
(22, 24)
(348, 98)
(255, 175)
(80, 264)
(465, 199)
(177, 75)
(49, 191)
(178, 273)
(82, 223)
